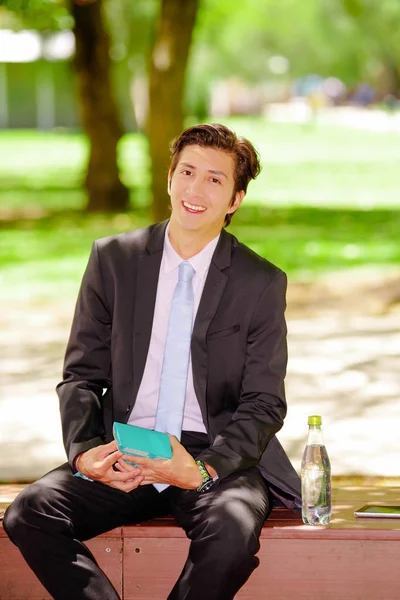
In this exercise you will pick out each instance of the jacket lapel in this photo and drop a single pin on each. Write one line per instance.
(146, 291)
(145, 299)
(213, 289)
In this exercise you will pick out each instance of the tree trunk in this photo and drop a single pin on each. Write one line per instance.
(393, 71)
(166, 88)
(98, 109)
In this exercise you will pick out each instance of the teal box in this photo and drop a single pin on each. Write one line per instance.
(138, 441)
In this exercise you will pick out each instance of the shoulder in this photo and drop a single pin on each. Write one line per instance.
(131, 241)
(248, 264)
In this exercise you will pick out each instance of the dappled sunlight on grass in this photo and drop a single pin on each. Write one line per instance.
(310, 239)
(38, 159)
(39, 256)
(303, 241)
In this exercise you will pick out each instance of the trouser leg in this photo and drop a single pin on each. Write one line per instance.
(224, 526)
(51, 518)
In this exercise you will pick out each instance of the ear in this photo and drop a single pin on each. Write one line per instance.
(237, 202)
(169, 182)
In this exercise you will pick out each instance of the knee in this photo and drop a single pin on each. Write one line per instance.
(229, 540)
(13, 520)
(238, 524)
(229, 546)
(237, 544)
(23, 514)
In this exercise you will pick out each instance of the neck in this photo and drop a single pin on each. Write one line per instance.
(189, 243)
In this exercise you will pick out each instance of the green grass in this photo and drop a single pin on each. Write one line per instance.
(45, 170)
(327, 199)
(46, 257)
(302, 165)
(323, 166)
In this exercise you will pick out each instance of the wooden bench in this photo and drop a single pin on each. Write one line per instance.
(351, 559)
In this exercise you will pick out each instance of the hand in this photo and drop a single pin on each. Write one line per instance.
(97, 463)
(180, 470)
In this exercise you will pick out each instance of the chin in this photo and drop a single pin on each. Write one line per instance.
(189, 221)
(189, 225)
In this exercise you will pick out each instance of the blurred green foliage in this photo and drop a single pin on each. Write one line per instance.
(41, 15)
(354, 40)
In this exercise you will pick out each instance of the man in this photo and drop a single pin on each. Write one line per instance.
(131, 344)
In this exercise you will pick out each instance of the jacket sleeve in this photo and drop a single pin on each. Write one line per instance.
(262, 405)
(87, 365)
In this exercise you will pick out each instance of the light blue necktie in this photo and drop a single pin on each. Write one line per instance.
(172, 395)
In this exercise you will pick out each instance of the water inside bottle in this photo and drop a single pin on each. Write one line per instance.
(316, 486)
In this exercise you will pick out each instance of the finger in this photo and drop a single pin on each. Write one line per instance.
(139, 460)
(127, 486)
(118, 467)
(149, 473)
(127, 463)
(120, 476)
(107, 448)
(121, 465)
(122, 485)
(150, 480)
(156, 478)
(175, 443)
(176, 446)
(130, 484)
(112, 458)
(149, 463)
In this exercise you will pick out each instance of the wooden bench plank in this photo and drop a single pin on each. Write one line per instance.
(325, 570)
(18, 582)
(351, 559)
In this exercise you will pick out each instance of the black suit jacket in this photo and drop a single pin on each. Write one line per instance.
(238, 353)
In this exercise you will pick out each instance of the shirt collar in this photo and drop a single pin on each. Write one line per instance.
(200, 261)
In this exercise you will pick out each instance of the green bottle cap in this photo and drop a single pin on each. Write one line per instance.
(315, 420)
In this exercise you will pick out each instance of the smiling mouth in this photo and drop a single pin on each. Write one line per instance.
(194, 208)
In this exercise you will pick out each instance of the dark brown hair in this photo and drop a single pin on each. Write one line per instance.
(215, 135)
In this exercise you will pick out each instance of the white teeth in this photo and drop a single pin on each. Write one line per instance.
(194, 207)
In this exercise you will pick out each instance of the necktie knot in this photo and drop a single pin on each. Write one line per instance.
(186, 271)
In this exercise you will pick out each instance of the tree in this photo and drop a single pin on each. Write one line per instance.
(167, 70)
(376, 27)
(99, 115)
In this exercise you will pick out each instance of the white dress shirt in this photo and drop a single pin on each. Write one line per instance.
(144, 411)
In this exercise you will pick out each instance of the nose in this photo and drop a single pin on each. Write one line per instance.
(195, 187)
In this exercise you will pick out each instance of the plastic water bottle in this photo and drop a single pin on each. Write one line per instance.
(316, 487)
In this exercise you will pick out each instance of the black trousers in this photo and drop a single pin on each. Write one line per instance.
(50, 520)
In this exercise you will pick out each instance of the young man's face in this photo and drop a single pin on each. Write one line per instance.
(201, 189)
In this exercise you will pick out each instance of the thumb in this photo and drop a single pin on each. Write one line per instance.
(106, 449)
(175, 443)
(111, 458)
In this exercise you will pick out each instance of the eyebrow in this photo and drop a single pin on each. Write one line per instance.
(213, 171)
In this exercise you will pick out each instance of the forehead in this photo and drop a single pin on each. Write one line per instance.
(207, 158)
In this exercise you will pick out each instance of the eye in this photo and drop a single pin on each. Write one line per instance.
(215, 180)
(186, 172)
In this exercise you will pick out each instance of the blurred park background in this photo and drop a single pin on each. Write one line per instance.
(91, 93)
